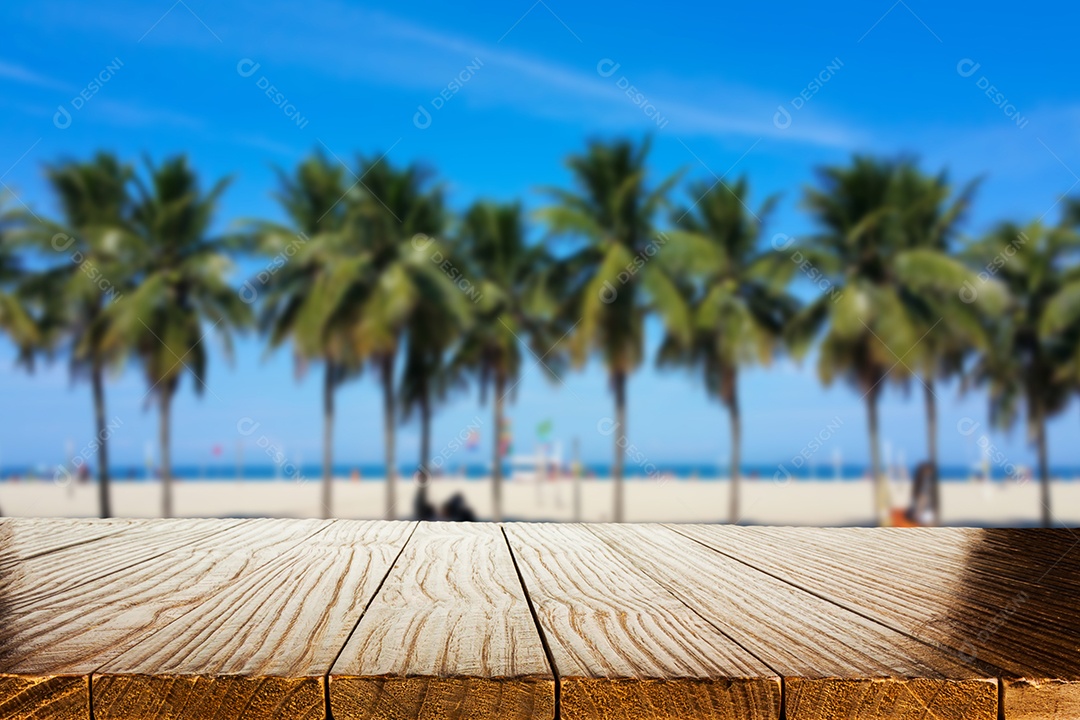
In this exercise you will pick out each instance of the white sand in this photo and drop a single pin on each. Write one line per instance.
(764, 502)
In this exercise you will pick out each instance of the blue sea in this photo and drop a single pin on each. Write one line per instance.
(690, 471)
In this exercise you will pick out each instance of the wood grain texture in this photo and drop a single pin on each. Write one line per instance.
(625, 647)
(448, 637)
(260, 645)
(44, 698)
(68, 567)
(67, 634)
(893, 698)
(835, 662)
(1041, 699)
(25, 538)
(1004, 598)
(259, 619)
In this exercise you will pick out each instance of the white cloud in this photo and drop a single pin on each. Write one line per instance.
(539, 87)
(131, 114)
(18, 73)
(334, 39)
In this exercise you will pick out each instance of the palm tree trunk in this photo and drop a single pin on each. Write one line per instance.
(166, 461)
(619, 386)
(736, 441)
(1044, 466)
(881, 501)
(425, 438)
(496, 462)
(97, 381)
(931, 423)
(932, 443)
(387, 376)
(328, 442)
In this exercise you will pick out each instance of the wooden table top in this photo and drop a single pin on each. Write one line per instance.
(359, 620)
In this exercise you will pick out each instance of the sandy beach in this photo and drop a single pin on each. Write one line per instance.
(821, 503)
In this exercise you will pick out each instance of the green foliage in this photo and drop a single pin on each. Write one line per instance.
(893, 306)
(737, 300)
(1031, 362)
(14, 319)
(89, 253)
(609, 283)
(514, 307)
(180, 273)
(309, 266)
(394, 214)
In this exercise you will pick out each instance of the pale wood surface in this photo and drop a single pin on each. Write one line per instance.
(835, 662)
(25, 538)
(449, 636)
(1006, 598)
(49, 648)
(189, 619)
(262, 642)
(68, 567)
(626, 647)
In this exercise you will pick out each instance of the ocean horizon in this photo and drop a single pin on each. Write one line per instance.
(704, 472)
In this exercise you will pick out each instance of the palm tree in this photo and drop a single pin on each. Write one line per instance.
(1033, 335)
(297, 281)
(880, 298)
(611, 284)
(434, 325)
(398, 214)
(90, 246)
(15, 321)
(929, 213)
(740, 307)
(182, 273)
(514, 307)
(1061, 319)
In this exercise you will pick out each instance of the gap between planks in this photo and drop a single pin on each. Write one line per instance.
(326, 675)
(959, 603)
(989, 668)
(194, 666)
(536, 623)
(835, 663)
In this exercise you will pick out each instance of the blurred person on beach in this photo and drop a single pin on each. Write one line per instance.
(456, 509)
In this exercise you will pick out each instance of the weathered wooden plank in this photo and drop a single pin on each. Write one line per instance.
(186, 619)
(1004, 597)
(25, 538)
(835, 663)
(623, 645)
(69, 567)
(21, 540)
(449, 636)
(261, 645)
(49, 648)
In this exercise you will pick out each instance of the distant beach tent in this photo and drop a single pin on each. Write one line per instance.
(538, 466)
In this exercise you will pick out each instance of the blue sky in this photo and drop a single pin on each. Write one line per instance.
(873, 76)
